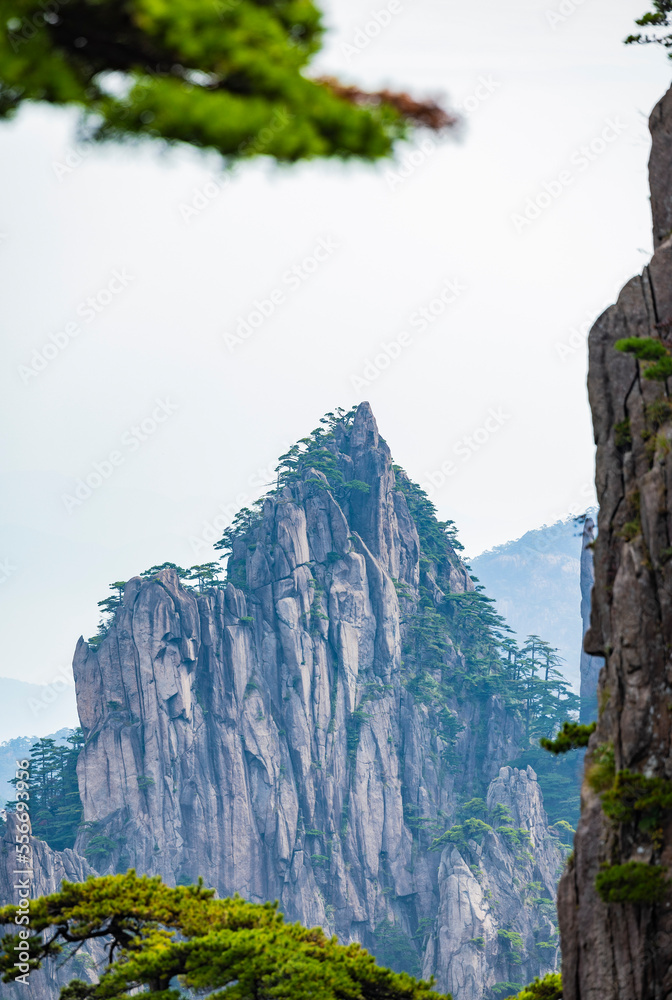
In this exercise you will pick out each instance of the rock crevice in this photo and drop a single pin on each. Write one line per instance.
(270, 735)
(618, 950)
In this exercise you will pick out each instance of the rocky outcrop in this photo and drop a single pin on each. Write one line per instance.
(49, 869)
(590, 665)
(277, 735)
(660, 180)
(623, 950)
(496, 921)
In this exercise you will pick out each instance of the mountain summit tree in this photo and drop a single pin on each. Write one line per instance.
(226, 75)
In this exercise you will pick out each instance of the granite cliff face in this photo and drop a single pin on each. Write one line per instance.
(623, 950)
(49, 870)
(590, 665)
(278, 737)
(328, 728)
(496, 920)
(659, 170)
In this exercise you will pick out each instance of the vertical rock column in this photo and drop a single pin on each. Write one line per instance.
(617, 944)
(590, 665)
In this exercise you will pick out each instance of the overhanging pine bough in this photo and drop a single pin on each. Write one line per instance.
(572, 736)
(660, 17)
(227, 76)
(155, 937)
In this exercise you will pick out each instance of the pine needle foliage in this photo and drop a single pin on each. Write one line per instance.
(636, 798)
(548, 988)
(55, 805)
(455, 647)
(571, 737)
(199, 579)
(659, 17)
(157, 937)
(226, 75)
(633, 882)
(654, 357)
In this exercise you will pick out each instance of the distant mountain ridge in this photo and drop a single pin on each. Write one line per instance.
(36, 709)
(536, 583)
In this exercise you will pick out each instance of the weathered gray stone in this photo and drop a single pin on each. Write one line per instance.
(490, 888)
(622, 951)
(590, 665)
(659, 169)
(263, 735)
(49, 870)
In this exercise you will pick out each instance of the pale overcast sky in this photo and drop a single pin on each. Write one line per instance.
(480, 394)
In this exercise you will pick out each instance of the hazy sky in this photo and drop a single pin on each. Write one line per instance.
(483, 399)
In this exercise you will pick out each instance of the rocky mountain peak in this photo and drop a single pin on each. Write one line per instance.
(310, 728)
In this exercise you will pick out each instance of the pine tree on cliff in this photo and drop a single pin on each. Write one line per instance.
(205, 575)
(55, 805)
(154, 934)
(227, 76)
(659, 17)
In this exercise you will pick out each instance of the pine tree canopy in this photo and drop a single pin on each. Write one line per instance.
(55, 806)
(226, 75)
(240, 950)
(659, 17)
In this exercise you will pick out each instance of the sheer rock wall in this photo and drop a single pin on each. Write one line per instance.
(623, 951)
(590, 665)
(262, 736)
(266, 736)
(496, 886)
(49, 869)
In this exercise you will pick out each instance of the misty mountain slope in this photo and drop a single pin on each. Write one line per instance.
(35, 708)
(535, 581)
(17, 749)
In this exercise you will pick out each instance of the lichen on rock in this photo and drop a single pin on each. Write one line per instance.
(615, 906)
